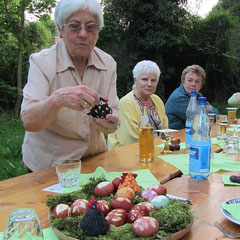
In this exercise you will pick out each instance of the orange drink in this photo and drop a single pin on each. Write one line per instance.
(146, 144)
(231, 114)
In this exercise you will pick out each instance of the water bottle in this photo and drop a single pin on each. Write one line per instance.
(190, 114)
(200, 146)
(146, 137)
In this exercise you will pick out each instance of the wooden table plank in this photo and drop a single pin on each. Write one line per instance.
(206, 197)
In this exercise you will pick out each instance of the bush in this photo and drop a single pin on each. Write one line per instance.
(11, 140)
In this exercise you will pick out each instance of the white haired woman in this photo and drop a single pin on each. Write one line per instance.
(145, 75)
(64, 81)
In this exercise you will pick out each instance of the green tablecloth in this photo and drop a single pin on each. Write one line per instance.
(144, 178)
(48, 234)
(219, 162)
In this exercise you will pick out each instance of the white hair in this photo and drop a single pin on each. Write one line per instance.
(146, 66)
(65, 8)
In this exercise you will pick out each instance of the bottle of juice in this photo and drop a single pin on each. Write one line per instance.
(146, 136)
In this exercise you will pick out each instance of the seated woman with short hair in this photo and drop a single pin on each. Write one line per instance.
(145, 75)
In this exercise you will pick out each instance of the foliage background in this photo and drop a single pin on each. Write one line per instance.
(162, 31)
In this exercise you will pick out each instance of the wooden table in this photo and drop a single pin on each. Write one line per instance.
(206, 197)
(26, 191)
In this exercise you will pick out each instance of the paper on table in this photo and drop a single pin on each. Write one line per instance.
(182, 145)
(48, 234)
(145, 179)
(166, 130)
(233, 209)
(220, 162)
(226, 180)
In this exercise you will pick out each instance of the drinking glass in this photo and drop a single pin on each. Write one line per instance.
(235, 128)
(231, 114)
(166, 136)
(69, 172)
(212, 117)
(231, 148)
(23, 223)
(222, 123)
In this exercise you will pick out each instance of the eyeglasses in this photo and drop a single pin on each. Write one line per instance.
(197, 82)
(74, 27)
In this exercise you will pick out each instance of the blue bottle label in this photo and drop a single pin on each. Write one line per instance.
(199, 158)
(188, 133)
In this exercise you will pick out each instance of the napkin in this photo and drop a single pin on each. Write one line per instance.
(233, 209)
(145, 179)
(182, 145)
(226, 180)
(220, 162)
(48, 234)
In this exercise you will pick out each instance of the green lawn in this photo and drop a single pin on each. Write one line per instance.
(11, 140)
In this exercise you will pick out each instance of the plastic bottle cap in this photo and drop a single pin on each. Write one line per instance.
(145, 103)
(193, 93)
(202, 100)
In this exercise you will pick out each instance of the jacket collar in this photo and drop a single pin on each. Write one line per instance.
(64, 61)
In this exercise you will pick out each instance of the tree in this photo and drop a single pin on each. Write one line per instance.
(12, 18)
(143, 29)
(212, 46)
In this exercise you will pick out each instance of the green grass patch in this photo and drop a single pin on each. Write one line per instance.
(11, 140)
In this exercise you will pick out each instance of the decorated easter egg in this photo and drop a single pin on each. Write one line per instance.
(159, 189)
(103, 189)
(160, 201)
(105, 207)
(148, 194)
(145, 205)
(79, 207)
(61, 211)
(117, 217)
(126, 192)
(145, 226)
(123, 203)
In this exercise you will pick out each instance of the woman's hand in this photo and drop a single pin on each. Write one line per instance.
(107, 125)
(77, 98)
(40, 114)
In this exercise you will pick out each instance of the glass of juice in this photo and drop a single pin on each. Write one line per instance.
(231, 114)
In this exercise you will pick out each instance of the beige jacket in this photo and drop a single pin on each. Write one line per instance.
(70, 134)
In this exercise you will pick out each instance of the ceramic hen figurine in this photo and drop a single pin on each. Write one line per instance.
(100, 110)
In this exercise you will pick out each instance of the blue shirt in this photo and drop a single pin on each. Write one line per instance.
(176, 108)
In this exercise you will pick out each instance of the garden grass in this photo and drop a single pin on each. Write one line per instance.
(11, 138)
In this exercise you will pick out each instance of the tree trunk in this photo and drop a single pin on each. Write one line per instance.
(20, 53)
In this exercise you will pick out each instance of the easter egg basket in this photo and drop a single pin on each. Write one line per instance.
(177, 218)
(175, 236)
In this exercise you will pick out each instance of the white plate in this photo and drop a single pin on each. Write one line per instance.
(166, 130)
(227, 214)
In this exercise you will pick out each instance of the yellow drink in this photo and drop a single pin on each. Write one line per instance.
(146, 145)
(231, 116)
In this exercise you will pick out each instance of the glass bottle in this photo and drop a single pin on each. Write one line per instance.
(146, 136)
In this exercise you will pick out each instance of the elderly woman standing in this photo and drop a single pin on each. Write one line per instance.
(64, 81)
(145, 75)
(192, 79)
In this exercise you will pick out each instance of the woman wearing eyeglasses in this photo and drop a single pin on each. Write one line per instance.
(146, 75)
(192, 79)
(64, 82)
